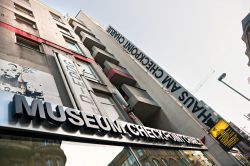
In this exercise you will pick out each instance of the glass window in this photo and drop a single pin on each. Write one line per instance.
(23, 10)
(28, 43)
(25, 21)
(56, 17)
(156, 162)
(73, 46)
(45, 142)
(108, 105)
(58, 162)
(87, 71)
(49, 162)
(26, 1)
(17, 163)
(64, 30)
(131, 160)
(139, 152)
(164, 162)
(22, 151)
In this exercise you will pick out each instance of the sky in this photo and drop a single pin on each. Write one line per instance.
(195, 41)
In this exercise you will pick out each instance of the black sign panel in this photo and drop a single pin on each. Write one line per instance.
(36, 116)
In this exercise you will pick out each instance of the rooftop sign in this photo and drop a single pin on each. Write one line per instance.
(197, 108)
(22, 114)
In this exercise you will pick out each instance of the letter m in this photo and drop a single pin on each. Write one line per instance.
(168, 80)
(21, 107)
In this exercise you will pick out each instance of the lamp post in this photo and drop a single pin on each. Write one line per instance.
(223, 75)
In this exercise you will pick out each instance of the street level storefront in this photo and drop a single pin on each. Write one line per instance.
(37, 132)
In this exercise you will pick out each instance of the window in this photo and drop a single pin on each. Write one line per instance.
(58, 162)
(26, 1)
(17, 163)
(156, 162)
(64, 30)
(25, 21)
(49, 162)
(56, 17)
(45, 142)
(139, 152)
(23, 10)
(87, 71)
(108, 106)
(28, 43)
(147, 163)
(73, 46)
(164, 162)
(131, 160)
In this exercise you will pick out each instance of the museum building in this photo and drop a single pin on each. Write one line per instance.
(74, 93)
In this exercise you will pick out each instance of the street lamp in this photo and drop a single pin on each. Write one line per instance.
(223, 75)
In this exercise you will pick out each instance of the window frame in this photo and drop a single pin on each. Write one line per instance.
(95, 77)
(64, 30)
(56, 17)
(165, 162)
(112, 103)
(70, 41)
(28, 42)
(23, 9)
(49, 162)
(140, 152)
(26, 21)
(156, 162)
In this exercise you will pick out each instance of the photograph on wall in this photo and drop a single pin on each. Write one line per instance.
(27, 81)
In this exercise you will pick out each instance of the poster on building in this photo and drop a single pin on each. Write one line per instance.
(225, 134)
(27, 81)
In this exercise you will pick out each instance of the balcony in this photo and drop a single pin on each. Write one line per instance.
(140, 101)
(78, 28)
(90, 41)
(118, 75)
(101, 56)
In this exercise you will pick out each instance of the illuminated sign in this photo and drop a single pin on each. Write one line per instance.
(26, 115)
(205, 116)
(225, 134)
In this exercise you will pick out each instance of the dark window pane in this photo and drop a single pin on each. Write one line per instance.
(56, 17)
(23, 10)
(28, 43)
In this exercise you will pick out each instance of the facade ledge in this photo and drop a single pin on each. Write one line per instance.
(101, 56)
(118, 75)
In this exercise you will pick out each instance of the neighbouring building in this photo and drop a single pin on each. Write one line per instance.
(69, 91)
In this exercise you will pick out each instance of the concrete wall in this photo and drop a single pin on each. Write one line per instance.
(45, 61)
(172, 116)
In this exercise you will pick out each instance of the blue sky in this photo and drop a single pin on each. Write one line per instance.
(189, 39)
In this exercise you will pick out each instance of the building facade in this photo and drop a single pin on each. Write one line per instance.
(73, 62)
